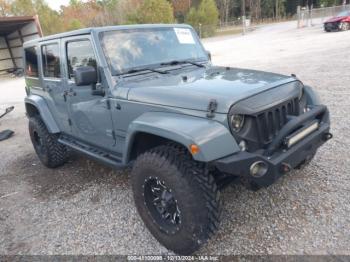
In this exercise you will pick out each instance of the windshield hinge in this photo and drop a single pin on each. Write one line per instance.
(213, 105)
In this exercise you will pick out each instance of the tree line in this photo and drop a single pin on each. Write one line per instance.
(209, 13)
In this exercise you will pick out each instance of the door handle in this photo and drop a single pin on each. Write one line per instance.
(69, 93)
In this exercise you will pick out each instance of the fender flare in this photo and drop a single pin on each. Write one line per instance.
(214, 139)
(312, 97)
(44, 112)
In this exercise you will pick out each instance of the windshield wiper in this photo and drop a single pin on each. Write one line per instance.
(179, 62)
(137, 70)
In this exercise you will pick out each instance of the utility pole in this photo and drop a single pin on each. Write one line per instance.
(243, 7)
(243, 16)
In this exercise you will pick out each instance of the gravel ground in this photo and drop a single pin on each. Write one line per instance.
(85, 208)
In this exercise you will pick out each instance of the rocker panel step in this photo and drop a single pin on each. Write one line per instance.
(113, 160)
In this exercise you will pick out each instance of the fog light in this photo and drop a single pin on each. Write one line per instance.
(258, 169)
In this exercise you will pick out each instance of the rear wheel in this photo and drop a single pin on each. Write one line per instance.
(176, 197)
(50, 152)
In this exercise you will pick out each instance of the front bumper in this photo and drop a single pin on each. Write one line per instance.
(280, 161)
(331, 26)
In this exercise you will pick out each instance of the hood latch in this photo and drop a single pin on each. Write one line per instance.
(212, 106)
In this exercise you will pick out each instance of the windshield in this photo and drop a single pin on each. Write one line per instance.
(136, 48)
(344, 13)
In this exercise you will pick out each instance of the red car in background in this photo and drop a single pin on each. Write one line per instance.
(341, 22)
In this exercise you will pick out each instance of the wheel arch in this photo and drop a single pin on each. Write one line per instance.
(36, 105)
(142, 142)
(155, 128)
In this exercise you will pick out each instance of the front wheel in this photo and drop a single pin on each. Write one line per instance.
(344, 26)
(176, 197)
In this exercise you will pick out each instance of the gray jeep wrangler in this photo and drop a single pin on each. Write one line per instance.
(148, 97)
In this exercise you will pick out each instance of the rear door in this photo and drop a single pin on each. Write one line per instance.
(53, 83)
(89, 114)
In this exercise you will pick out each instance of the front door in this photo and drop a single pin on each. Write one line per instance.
(90, 116)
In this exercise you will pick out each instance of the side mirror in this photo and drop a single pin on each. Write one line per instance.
(85, 75)
(209, 54)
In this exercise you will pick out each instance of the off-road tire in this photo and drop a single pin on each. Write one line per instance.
(50, 152)
(194, 188)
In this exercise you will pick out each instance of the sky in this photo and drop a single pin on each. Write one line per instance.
(55, 4)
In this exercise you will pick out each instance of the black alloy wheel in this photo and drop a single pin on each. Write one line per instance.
(50, 152)
(162, 205)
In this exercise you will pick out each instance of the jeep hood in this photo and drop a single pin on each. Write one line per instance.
(194, 89)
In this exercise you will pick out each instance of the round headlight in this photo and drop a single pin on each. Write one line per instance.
(237, 122)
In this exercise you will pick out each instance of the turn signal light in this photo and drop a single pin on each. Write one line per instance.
(194, 149)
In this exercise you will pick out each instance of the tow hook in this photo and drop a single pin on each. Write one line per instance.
(285, 168)
(327, 136)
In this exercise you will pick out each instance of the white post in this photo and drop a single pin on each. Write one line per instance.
(311, 15)
(243, 17)
(299, 16)
(323, 13)
(244, 24)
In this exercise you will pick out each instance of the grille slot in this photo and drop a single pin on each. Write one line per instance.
(270, 122)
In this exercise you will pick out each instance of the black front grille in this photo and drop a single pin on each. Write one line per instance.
(269, 122)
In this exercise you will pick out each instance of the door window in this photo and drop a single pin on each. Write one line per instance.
(31, 62)
(79, 53)
(51, 61)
